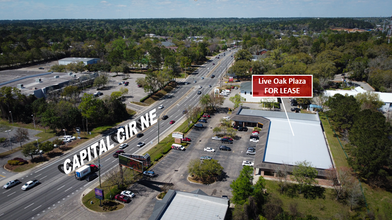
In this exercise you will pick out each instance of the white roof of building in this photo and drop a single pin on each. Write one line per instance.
(77, 59)
(307, 143)
(385, 97)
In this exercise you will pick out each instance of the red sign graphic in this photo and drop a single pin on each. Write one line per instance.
(299, 86)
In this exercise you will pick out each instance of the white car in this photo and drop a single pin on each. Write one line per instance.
(247, 163)
(128, 193)
(140, 144)
(254, 140)
(226, 117)
(216, 138)
(160, 107)
(122, 146)
(209, 149)
(29, 184)
(11, 184)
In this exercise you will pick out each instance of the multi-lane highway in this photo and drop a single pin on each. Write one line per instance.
(56, 187)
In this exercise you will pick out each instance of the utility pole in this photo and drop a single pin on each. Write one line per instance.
(12, 118)
(99, 175)
(33, 120)
(158, 130)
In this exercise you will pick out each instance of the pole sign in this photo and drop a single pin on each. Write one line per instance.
(99, 193)
(299, 86)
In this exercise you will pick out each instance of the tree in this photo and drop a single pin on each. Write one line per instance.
(29, 150)
(304, 174)
(242, 186)
(354, 195)
(241, 68)
(216, 130)
(370, 146)
(207, 171)
(269, 103)
(46, 146)
(21, 135)
(369, 100)
(282, 172)
(237, 99)
(243, 55)
(101, 81)
(342, 111)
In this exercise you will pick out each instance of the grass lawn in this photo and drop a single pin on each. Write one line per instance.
(95, 203)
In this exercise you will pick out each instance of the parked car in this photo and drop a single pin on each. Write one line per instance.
(203, 120)
(223, 147)
(198, 125)
(296, 110)
(126, 83)
(122, 146)
(128, 193)
(139, 135)
(122, 198)
(11, 184)
(178, 147)
(247, 163)
(187, 139)
(139, 85)
(209, 149)
(140, 144)
(251, 151)
(216, 138)
(229, 138)
(172, 122)
(30, 184)
(225, 140)
(205, 158)
(226, 117)
(165, 117)
(206, 116)
(254, 140)
(41, 68)
(149, 173)
(160, 107)
(258, 132)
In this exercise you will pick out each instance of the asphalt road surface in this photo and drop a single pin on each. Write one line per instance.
(55, 187)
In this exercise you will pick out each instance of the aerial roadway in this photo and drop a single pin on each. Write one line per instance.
(55, 187)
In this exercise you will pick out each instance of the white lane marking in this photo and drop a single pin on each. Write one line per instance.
(68, 189)
(29, 205)
(107, 159)
(38, 175)
(44, 177)
(36, 208)
(11, 194)
(1, 214)
(113, 161)
(61, 187)
(86, 184)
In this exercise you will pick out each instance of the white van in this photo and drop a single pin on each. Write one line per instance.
(178, 147)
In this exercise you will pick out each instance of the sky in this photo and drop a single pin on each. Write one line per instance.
(124, 9)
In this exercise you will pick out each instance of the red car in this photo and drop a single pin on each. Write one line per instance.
(122, 198)
(258, 132)
(229, 138)
(206, 116)
(186, 139)
(172, 122)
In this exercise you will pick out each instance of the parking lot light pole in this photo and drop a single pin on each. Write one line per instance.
(12, 118)
(33, 120)
(8, 134)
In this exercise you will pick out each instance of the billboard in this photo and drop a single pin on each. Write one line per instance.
(135, 162)
(177, 135)
(99, 193)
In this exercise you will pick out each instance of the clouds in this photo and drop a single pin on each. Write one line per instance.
(46, 9)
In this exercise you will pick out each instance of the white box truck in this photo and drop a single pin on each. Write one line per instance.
(85, 171)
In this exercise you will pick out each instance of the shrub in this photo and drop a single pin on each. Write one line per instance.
(13, 162)
(58, 142)
(20, 160)
(158, 156)
(112, 192)
(2, 140)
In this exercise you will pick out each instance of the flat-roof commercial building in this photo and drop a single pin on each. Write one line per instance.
(177, 205)
(86, 61)
(284, 141)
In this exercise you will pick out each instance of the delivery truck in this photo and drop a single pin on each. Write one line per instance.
(85, 170)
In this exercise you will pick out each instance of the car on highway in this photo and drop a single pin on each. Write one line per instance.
(226, 148)
(213, 63)
(251, 151)
(165, 117)
(205, 158)
(149, 173)
(209, 149)
(210, 86)
(160, 107)
(115, 155)
(216, 138)
(206, 116)
(172, 122)
(41, 68)
(139, 135)
(122, 198)
(212, 76)
(198, 92)
(91, 177)
(184, 111)
(11, 184)
(30, 184)
(202, 77)
(200, 87)
(247, 163)
(122, 146)
(187, 139)
(128, 193)
(140, 144)
(195, 81)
